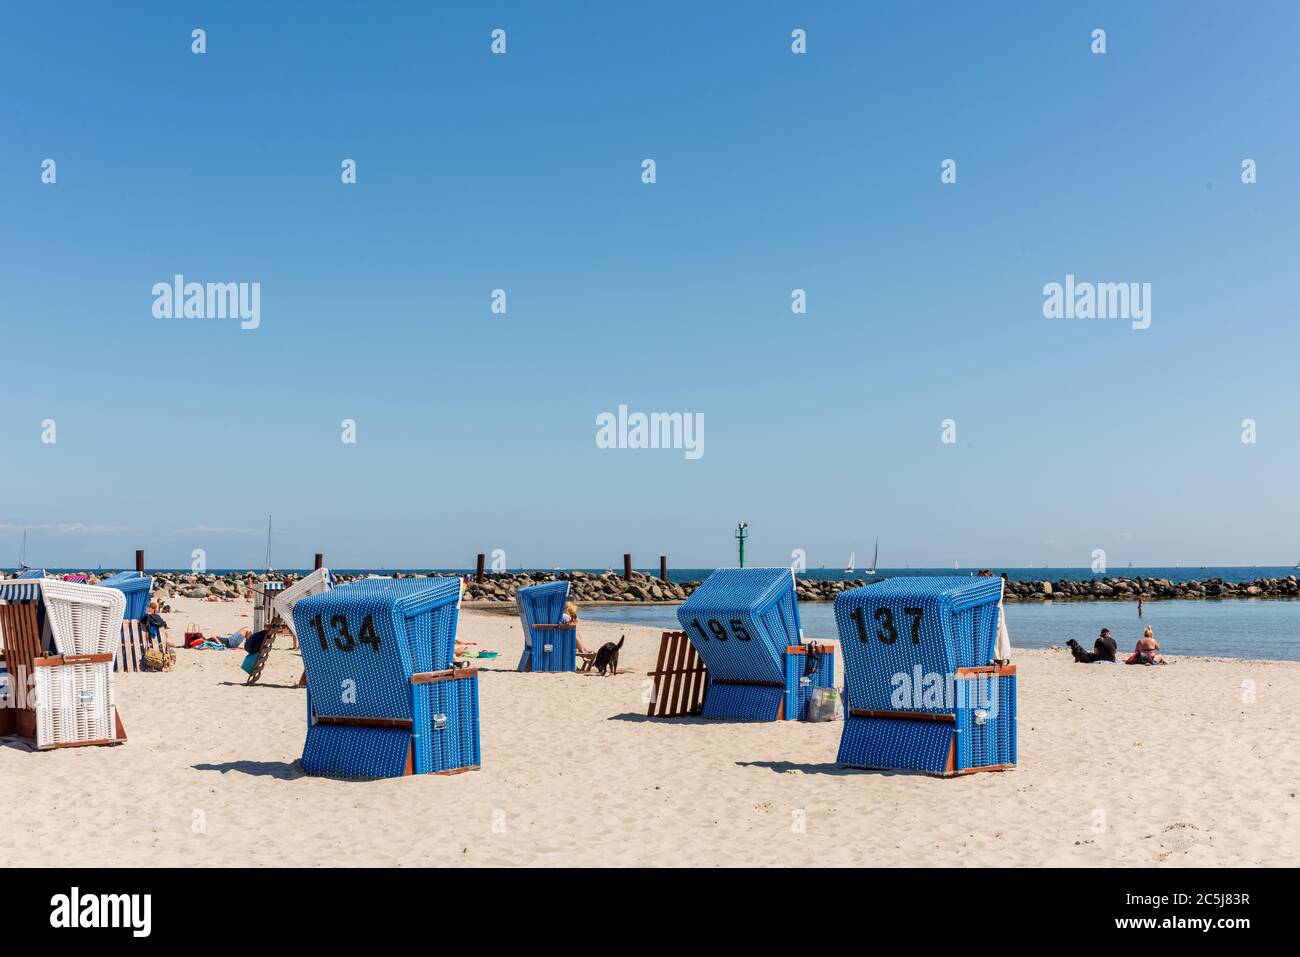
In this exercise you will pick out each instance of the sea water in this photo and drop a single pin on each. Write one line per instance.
(1232, 628)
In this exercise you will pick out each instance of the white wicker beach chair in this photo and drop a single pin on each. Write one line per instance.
(318, 581)
(72, 673)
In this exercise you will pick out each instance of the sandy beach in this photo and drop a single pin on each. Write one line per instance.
(1191, 764)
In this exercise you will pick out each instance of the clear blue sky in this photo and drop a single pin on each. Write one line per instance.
(775, 172)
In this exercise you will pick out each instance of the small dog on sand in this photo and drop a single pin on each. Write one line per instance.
(607, 656)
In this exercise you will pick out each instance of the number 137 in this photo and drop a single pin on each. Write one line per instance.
(886, 633)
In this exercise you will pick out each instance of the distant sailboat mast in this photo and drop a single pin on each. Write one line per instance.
(874, 558)
(22, 555)
(268, 543)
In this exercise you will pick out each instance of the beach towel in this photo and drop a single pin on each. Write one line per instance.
(1002, 647)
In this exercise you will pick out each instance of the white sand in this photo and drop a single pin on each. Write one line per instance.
(1117, 766)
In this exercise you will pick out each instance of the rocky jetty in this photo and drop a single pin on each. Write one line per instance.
(612, 587)
(1150, 589)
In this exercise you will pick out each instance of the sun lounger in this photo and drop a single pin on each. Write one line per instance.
(383, 697)
(923, 692)
(67, 662)
(549, 644)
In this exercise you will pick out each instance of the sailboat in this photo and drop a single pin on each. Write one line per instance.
(954, 566)
(853, 558)
(268, 544)
(22, 555)
(874, 558)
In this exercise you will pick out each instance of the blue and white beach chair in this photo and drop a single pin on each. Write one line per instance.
(923, 691)
(137, 587)
(264, 595)
(383, 697)
(744, 624)
(550, 644)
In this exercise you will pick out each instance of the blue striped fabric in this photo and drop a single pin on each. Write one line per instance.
(15, 590)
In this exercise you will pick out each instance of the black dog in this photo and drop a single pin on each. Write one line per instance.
(607, 657)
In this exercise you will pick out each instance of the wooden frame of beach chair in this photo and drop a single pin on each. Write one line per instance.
(64, 671)
(136, 640)
(384, 698)
(744, 624)
(932, 641)
(680, 677)
(549, 644)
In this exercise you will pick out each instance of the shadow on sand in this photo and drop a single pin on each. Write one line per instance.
(284, 771)
(640, 717)
(784, 767)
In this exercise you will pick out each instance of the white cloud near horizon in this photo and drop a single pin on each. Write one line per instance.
(63, 528)
(217, 530)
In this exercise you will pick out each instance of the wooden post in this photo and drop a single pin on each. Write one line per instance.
(320, 561)
(139, 559)
(478, 575)
(627, 567)
(663, 568)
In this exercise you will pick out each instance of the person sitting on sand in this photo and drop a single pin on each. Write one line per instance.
(570, 616)
(1103, 649)
(1146, 651)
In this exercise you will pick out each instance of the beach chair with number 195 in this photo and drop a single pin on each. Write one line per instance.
(744, 624)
